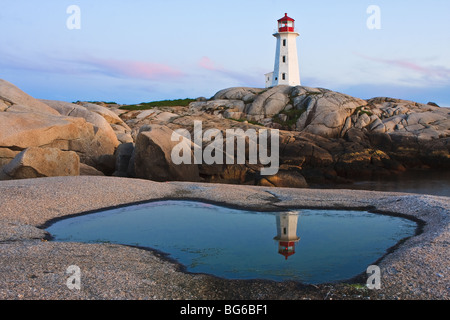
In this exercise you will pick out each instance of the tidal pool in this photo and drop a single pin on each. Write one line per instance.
(311, 246)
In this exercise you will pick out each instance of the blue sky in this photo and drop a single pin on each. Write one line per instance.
(135, 51)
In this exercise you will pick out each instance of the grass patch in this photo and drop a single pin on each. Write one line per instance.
(95, 102)
(249, 121)
(358, 286)
(359, 111)
(313, 93)
(292, 117)
(161, 103)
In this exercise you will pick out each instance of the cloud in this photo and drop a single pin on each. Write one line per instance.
(206, 63)
(131, 69)
(134, 69)
(249, 78)
(426, 74)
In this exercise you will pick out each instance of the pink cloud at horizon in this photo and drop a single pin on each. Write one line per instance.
(247, 79)
(208, 64)
(135, 69)
(432, 71)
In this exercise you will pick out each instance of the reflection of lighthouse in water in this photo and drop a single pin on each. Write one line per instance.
(287, 233)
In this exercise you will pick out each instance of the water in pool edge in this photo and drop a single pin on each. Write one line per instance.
(310, 246)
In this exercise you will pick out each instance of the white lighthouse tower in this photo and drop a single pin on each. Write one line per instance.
(286, 70)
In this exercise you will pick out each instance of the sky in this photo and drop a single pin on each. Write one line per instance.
(137, 51)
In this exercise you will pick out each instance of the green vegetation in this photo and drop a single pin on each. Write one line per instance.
(358, 286)
(95, 102)
(313, 93)
(292, 117)
(162, 103)
(359, 111)
(249, 121)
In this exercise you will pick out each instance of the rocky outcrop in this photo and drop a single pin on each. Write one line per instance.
(326, 112)
(120, 128)
(26, 122)
(329, 114)
(325, 136)
(12, 99)
(36, 162)
(19, 130)
(104, 134)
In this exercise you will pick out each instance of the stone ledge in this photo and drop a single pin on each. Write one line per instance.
(34, 268)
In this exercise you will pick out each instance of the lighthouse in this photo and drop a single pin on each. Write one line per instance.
(287, 233)
(286, 70)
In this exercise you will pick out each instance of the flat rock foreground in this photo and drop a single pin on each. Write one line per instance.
(34, 268)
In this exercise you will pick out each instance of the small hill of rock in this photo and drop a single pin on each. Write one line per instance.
(325, 136)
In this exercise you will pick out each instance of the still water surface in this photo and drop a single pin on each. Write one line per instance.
(431, 182)
(312, 246)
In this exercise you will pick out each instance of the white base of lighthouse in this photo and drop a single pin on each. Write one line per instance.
(286, 68)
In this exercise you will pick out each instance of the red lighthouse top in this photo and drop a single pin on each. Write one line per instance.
(286, 24)
(286, 248)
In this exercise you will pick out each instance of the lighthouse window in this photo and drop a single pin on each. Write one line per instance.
(284, 76)
(284, 42)
(284, 59)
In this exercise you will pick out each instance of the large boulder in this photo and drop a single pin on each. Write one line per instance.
(153, 157)
(285, 178)
(6, 155)
(110, 116)
(123, 155)
(396, 116)
(238, 93)
(120, 128)
(41, 162)
(22, 130)
(326, 112)
(12, 99)
(19, 131)
(104, 133)
(268, 103)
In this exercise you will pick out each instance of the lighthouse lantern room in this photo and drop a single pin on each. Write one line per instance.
(286, 70)
(286, 24)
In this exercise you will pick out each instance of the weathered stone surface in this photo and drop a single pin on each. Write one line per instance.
(325, 136)
(17, 100)
(110, 116)
(104, 133)
(237, 93)
(326, 113)
(36, 162)
(6, 155)
(285, 178)
(123, 156)
(269, 102)
(86, 170)
(22, 130)
(152, 158)
(219, 104)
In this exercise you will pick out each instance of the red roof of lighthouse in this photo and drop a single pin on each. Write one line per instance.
(286, 18)
(287, 248)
